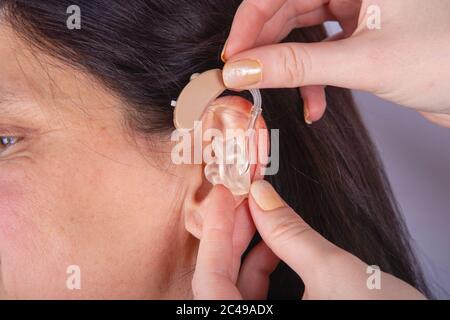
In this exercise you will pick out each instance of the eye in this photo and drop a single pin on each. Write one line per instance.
(7, 142)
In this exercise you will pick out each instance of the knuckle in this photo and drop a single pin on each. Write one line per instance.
(288, 228)
(296, 64)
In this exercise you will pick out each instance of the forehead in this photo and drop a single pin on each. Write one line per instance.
(31, 77)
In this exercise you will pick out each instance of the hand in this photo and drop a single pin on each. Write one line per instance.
(226, 234)
(405, 61)
(327, 271)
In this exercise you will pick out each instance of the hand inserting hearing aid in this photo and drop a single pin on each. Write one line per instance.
(195, 98)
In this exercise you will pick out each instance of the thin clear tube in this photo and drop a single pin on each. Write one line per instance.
(254, 114)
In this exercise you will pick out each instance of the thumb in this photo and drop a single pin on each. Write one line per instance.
(290, 65)
(285, 232)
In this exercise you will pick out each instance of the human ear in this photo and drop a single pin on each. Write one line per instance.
(226, 119)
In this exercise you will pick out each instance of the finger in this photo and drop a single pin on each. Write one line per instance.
(345, 9)
(314, 102)
(251, 17)
(437, 118)
(259, 264)
(244, 230)
(248, 23)
(314, 97)
(347, 13)
(285, 232)
(282, 24)
(289, 65)
(213, 278)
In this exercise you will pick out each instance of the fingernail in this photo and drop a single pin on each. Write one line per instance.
(265, 196)
(242, 73)
(222, 55)
(306, 114)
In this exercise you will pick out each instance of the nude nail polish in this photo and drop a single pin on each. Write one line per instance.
(306, 115)
(222, 55)
(265, 196)
(242, 73)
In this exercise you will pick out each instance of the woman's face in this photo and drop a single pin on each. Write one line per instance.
(77, 189)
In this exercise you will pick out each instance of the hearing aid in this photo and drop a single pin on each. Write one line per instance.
(199, 93)
(191, 104)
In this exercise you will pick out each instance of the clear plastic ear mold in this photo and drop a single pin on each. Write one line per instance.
(233, 170)
(231, 165)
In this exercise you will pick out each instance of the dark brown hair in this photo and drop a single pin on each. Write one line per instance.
(146, 50)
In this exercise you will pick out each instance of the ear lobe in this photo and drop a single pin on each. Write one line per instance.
(226, 113)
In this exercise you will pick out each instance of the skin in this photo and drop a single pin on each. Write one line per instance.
(405, 61)
(79, 189)
(404, 71)
(328, 272)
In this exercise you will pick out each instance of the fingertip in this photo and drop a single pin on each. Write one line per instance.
(224, 55)
(265, 196)
(242, 73)
(314, 103)
(220, 191)
(317, 109)
(219, 203)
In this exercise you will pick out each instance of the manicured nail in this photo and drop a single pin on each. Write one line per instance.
(265, 196)
(242, 73)
(306, 114)
(222, 56)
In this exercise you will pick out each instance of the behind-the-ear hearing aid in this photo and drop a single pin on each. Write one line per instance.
(195, 98)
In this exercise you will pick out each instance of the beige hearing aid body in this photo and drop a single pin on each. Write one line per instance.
(200, 92)
(195, 98)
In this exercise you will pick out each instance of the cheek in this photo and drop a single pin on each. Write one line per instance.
(79, 211)
(37, 241)
(26, 207)
(20, 241)
(12, 213)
